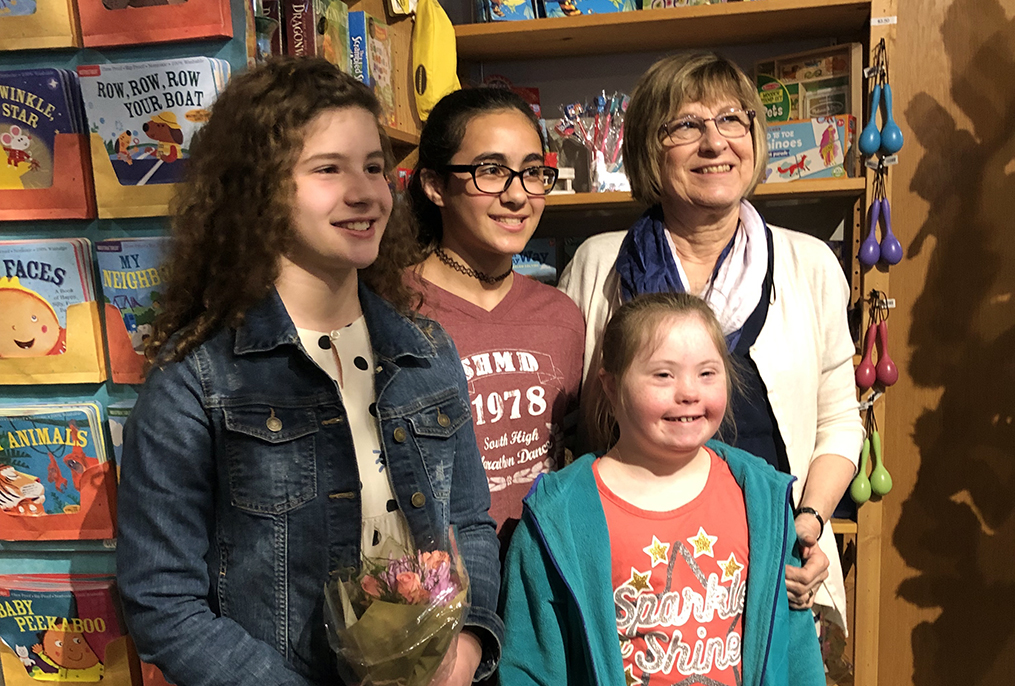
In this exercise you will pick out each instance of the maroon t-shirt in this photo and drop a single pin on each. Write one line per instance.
(523, 363)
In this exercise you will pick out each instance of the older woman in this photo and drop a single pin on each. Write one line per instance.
(694, 149)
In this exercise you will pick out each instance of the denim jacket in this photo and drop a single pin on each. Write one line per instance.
(229, 524)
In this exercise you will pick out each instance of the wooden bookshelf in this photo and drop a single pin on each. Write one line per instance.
(622, 201)
(403, 143)
(700, 26)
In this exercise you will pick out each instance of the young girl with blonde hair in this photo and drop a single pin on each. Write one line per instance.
(662, 561)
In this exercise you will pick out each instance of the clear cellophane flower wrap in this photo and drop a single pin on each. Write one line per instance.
(392, 624)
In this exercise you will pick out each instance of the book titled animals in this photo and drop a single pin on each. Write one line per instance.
(146, 113)
(39, 280)
(60, 628)
(35, 105)
(46, 451)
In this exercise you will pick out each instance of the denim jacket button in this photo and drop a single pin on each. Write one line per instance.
(400, 435)
(273, 423)
(443, 420)
(418, 499)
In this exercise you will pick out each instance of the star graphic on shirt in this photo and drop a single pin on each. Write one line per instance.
(702, 543)
(639, 580)
(658, 551)
(629, 677)
(729, 567)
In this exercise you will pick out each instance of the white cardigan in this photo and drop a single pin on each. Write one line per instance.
(804, 354)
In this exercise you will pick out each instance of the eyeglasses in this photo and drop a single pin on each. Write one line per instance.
(496, 178)
(731, 123)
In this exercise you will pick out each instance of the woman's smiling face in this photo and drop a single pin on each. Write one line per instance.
(485, 224)
(712, 173)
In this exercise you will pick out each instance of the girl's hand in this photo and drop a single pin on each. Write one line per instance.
(461, 662)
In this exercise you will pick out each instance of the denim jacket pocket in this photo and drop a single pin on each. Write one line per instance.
(435, 427)
(271, 457)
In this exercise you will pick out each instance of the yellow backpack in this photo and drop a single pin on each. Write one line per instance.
(434, 57)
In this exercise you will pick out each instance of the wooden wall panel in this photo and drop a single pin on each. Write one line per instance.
(948, 557)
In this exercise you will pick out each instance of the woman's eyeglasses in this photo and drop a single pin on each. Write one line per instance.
(496, 178)
(731, 123)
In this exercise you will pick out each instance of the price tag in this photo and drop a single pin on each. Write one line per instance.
(869, 402)
(890, 160)
(884, 21)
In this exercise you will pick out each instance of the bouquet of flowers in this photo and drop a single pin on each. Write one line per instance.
(393, 623)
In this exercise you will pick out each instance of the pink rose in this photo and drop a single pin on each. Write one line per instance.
(410, 588)
(371, 586)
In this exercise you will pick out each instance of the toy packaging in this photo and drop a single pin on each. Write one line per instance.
(818, 83)
(822, 147)
(370, 60)
(35, 105)
(317, 28)
(146, 113)
(573, 8)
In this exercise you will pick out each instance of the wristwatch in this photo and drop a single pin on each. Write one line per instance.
(810, 510)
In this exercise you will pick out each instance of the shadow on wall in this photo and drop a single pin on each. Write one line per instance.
(958, 526)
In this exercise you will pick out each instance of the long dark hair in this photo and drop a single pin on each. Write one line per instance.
(441, 138)
(232, 218)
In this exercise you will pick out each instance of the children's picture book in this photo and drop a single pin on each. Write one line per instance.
(146, 113)
(133, 275)
(370, 59)
(39, 280)
(35, 105)
(16, 8)
(61, 628)
(45, 453)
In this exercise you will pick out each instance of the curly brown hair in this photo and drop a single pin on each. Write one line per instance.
(232, 217)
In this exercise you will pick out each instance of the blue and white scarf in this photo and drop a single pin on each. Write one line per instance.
(648, 263)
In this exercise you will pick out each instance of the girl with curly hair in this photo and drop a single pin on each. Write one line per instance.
(282, 430)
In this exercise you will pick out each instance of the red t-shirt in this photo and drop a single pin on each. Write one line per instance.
(523, 364)
(680, 580)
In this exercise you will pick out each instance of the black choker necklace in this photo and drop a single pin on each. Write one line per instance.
(469, 271)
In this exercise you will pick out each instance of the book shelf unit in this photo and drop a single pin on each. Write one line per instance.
(702, 27)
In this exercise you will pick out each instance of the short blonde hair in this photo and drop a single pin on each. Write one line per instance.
(667, 86)
(636, 325)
